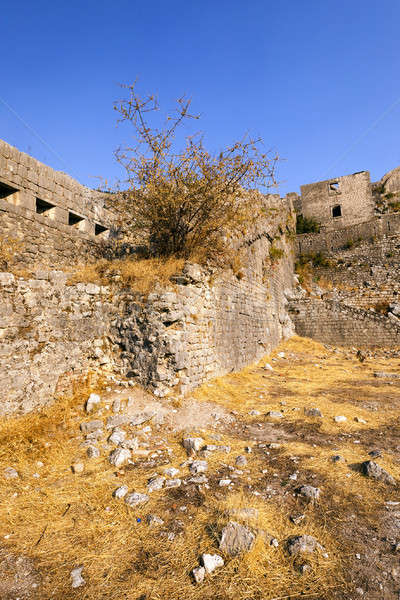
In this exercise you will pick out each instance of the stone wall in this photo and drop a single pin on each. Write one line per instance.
(351, 195)
(331, 241)
(334, 323)
(205, 324)
(54, 217)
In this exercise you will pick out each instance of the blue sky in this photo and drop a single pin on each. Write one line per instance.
(311, 77)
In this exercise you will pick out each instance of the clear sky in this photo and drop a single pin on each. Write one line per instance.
(314, 78)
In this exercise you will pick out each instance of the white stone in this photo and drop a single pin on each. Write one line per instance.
(198, 466)
(10, 473)
(171, 472)
(92, 401)
(76, 576)
(224, 482)
(136, 498)
(120, 492)
(340, 419)
(118, 435)
(155, 484)
(198, 574)
(173, 483)
(193, 444)
(119, 456)
(212, 562)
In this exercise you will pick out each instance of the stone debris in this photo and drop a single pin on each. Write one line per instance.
(171, 472)
(360, 420)
(224, 482)
(198, 466)
(155, 484)
(211, 562)
(92, 452)
(375, 471)
(76, 577)
(192, 444)
(90, 426)
(198, 574)
(199, 479)
(268, 367)
(119, 456)
(308, 491)
(241, 461)
(10, 473)
(91, 402)
(173, 483)
(254, 413)
(275, 414)
(130, 443)
(136, 498)
(337, 458)
(120, 492)
(236, 538)
(312, 412)
(384, 375)
(213, 448)
(340, 419)
(303, 544)
(297, 519)
(77, 467)
(118, 435)
(154, 520)
(140, 418)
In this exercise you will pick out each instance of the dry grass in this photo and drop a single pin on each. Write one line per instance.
(142, 275)
(62, 520)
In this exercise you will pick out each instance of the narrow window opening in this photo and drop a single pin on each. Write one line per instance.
(8, 193)
(334, 187)
(100, 229)
(44, 208)
(75, 220)
(337, 211)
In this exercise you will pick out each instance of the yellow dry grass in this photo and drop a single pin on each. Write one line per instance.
(141, 275)
(63, 520)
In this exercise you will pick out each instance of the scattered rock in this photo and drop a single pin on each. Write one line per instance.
(198, 466)
(10, 473)
(118, 435)
(340, 419)
(308, 491)
(130, 444)
(213, 448)
(211, 562)
(268, 367)
(136, 498)
(171, 472)
(199, 479)
(90, 426)
(373, 470)
(120, 492)
(91, 402)
(236, 538)
(78, 467)
(312, 412)
(254, 413)
(192, 444)
(241, 461)
(303, 544)
(173, 483)
(384, 375)
(360, 420)
(375, 453)
(76, 577)
(297, 519)
(93, 452)
(154, 520)
(119, 456)
(198, 574)
(224, 482)
(275, 414)
(156, 483)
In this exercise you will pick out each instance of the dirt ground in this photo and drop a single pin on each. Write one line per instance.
(53, 520)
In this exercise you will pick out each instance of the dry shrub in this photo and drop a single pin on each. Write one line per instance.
(181, 200)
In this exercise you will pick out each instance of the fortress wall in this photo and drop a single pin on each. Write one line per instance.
(331, 241)
(202, 326)
(334, 323)
(56, 218)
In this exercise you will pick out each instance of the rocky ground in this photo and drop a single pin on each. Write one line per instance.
(278, 482)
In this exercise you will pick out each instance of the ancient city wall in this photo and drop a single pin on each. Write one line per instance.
(205, 324)
(55, 218)
(331, 241)
(334, 323)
